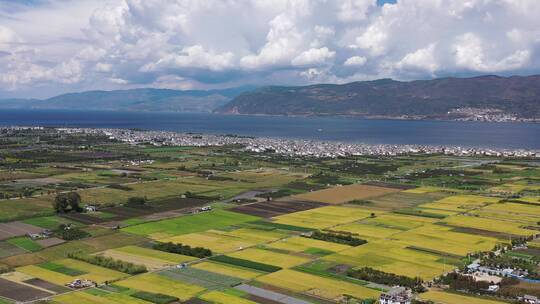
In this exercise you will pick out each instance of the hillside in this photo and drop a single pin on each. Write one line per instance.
(514, 97)
(131, 100)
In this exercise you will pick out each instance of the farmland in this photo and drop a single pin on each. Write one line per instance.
(273, 225)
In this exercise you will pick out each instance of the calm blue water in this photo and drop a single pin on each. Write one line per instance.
(468, 134)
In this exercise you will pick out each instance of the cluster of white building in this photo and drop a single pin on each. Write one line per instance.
(290, 147)
(295, 147)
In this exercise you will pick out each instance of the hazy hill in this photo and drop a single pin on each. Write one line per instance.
(132, 100)
(390, 98)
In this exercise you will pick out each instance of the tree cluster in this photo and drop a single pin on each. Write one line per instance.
(340, 238)
(178, 248)
(66, 202)
(108, 262)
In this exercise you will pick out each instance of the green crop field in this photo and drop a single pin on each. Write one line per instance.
(190, 223)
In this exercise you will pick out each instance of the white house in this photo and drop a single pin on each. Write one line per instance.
(396, 295)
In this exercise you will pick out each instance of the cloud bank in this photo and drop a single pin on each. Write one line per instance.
(47, 47)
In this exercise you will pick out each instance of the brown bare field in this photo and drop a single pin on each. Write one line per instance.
(275, 208)
(343, 194)
(9, 230)
(20, 292)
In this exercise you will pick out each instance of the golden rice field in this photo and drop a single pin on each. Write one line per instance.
(513, 208)
(488, 224)
(233, 271)
(87, 298)
(323, 217)
(514, 188)
(390, 257)
(440, 238)
(270, 257)
(440, 297)
(218, 297)
(212, 239)
(94, 273)
(152, 259)
(343, 194)
(314, 285)
(424, 190)
(398, 221)
(461, 203)
(226, 241)
(300, 244)
(368, 231)
(151, 282)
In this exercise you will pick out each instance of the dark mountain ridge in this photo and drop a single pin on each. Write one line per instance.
(516, 96)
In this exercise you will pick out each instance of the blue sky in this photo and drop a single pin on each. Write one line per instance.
(49, 47)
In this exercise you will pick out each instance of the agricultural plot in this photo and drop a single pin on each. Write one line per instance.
(218, 297)
(323, 217)
(25, 208)
(152, 190)
(228, 270)
(20, 292)
(368, 231)
(69, 270)
(403, 199)
(343, 194)
(440, 297)
(275, 208)
(461, 203)
(300, 244)
(7, 249)
(189, 224)
(14, 229)
(269, 257)
(206, 279)
(398, 221)
(152, 259)
(393, 258)
(155, 283)
(494, 225)
(309, 284)
(441, 239)
(49, 222)
(25, 243)
(225, 241)
(101, 297)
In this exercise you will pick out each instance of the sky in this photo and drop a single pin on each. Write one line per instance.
(49, 47)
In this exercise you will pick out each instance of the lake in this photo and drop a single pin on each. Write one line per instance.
(371, 131)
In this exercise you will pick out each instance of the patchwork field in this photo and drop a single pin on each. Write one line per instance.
(228, 270)
(156, 283)
(343, 194)
(152, 259)
(70, 270)
(189, 224)
(390, 257)
(269, 257)
(324, 217)
(451, 298)
(224, 298)
(226, 241)
(299, 244)
(317, 286)
(275, 208)
(461, 203)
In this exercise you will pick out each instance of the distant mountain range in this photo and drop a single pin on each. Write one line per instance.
(477, 98)
(132, 100)
(490, 98)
